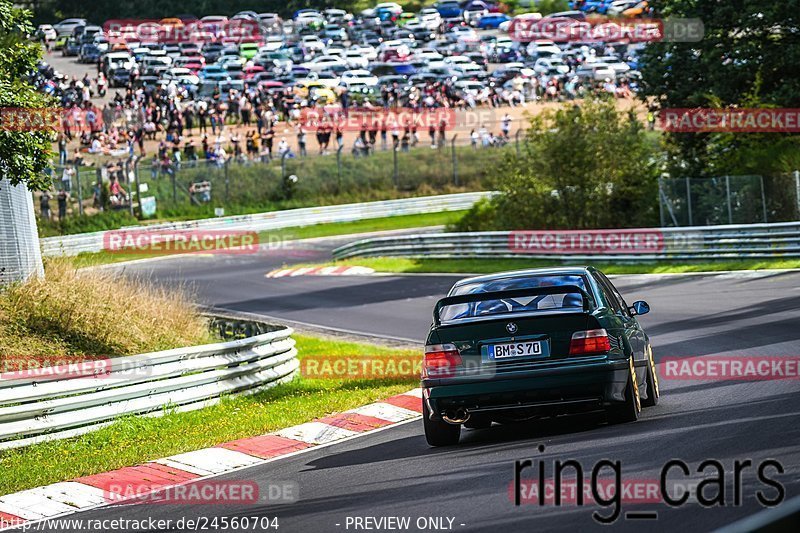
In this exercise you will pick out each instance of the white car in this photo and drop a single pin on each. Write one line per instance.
(543, 47)
(429, 56)
(310, 17)
(366, 50)
(619, 66)
(457, 60)
(181, 76)
(461, 33)
(333, 51)
(544, 64)
(320, 63)
(595, 72)
(274, 42)
(359, 77)
(66, 26)
(430, 18)
(355, 59)
(328, 79)
(312, 42)
(47, 31)
(470, 69)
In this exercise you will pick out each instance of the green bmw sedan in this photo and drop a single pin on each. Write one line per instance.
(521, 345)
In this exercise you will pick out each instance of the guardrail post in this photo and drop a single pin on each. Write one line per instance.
(455, 160)
(763, 199)
(728, 194)
(797, 190)
(174, 176)
(127, 170)
(689, 199)
(138, 186)
(396, 176)
(339, 168)
(227, 182)
(80, 190)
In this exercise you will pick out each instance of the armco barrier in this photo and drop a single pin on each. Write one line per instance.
(64, 403)
(754, 241)
(93, 242)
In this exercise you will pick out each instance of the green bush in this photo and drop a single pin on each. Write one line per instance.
(587, 166)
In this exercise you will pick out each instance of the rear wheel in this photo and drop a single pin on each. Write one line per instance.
(439, 432)
(652, 383)
(630, 409)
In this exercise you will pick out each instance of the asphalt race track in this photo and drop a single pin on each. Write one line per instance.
(395, 473)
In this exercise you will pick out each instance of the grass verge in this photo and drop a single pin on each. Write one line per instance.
(133, 440)
(403, 265)
(304, 232)
(95, 314)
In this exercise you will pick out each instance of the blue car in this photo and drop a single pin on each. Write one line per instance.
(596, 6)
(492, 21)
(448, 9)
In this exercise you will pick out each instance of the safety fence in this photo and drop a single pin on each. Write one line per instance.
(94, 242)
(754, 241)
(67, 400)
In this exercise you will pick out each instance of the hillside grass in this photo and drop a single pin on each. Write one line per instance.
(93, 314)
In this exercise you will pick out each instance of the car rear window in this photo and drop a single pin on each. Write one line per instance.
(514, 305)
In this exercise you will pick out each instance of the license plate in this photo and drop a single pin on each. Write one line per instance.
(516, 349)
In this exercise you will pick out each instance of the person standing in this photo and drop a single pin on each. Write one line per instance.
(44, 205)
(301, 141)
(66, 178)
(62, 205)
(505, 125)
(62, 149)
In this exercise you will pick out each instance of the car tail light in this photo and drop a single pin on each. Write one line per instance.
(440, 360)
(589, 342)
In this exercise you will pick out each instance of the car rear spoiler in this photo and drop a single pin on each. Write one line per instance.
(515, 293)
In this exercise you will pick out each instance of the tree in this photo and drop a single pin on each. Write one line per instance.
(582, 166)
(746, 58)
(23, 154)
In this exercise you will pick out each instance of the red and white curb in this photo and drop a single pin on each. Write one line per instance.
(321, 271)
(60, 499)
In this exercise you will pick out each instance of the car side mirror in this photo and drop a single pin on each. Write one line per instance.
(639, 307)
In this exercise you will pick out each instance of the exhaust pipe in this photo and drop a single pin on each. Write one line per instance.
(458, 415)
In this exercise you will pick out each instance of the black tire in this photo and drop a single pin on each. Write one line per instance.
(439, 432)
(629, 410)
(653, 392)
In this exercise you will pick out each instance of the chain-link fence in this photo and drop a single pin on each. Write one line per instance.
(729, 200)
(196, 187)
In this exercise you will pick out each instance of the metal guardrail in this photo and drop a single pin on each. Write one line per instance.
(68, 401)
(93, 242)
(753, 241)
